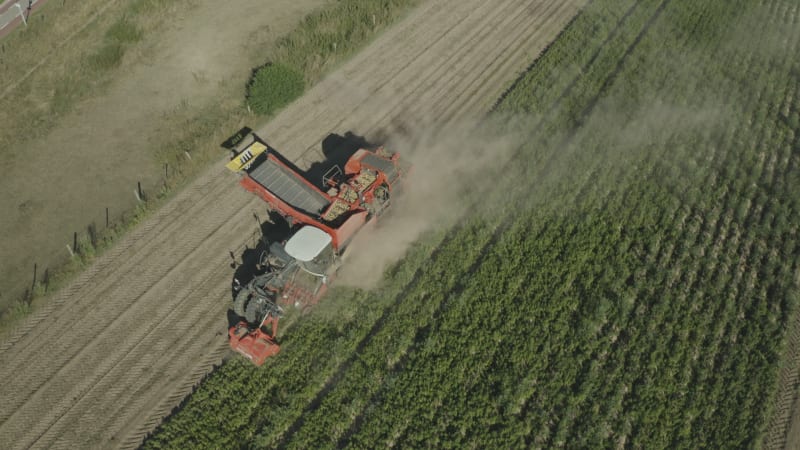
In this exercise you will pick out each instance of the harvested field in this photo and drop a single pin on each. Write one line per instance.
(121, 346)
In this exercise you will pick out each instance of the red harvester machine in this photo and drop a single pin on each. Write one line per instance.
(323, 220)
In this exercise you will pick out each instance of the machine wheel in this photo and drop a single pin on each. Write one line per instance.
(255, 311)
(257, 308)
(240, 303)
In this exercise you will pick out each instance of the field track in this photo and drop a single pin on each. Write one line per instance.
(116, 350)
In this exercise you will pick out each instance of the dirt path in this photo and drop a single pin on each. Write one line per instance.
(95, 157)
(116, 350)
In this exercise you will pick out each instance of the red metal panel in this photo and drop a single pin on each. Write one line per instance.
(256, 345)
(353, 165)
(344, 233)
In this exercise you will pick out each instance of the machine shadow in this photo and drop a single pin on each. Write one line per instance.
(337, 150)
(274, 229)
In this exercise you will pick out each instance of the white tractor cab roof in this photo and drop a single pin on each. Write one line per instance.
(307, 243)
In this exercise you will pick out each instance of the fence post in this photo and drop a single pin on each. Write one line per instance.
(75, 242)
(33, 285)
(106, 216)
(92, 230)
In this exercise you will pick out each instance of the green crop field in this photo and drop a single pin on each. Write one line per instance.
(630, 285)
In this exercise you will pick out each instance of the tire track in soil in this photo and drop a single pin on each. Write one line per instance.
(109, 342)
(172, 337)
(129, 338)
(163, 219)
(417, 81)
(116, 296)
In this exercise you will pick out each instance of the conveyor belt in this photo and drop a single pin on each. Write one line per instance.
(288, 186)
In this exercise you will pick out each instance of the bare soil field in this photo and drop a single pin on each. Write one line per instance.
(116, 350)
(98, 152)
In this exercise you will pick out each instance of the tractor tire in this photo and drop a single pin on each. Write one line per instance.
(240, 303)
(254, 312)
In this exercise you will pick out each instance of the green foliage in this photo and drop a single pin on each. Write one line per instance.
(66, 93)
(337, 31)
(123, 31)
(273, 87)
(118, 36)
(147, 6)
(19, 309)
(107, 57)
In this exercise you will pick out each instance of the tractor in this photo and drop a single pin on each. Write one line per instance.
(323, 219)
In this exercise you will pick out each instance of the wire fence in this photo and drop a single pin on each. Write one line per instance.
(84, 244)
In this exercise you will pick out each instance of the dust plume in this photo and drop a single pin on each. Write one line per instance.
(450, 170)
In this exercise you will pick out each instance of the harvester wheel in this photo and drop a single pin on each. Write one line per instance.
(255, 312)
(240, 303)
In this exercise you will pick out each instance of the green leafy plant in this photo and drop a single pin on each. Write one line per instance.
(274, 86)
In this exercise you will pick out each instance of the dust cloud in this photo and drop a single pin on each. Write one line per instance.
(451, 169)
